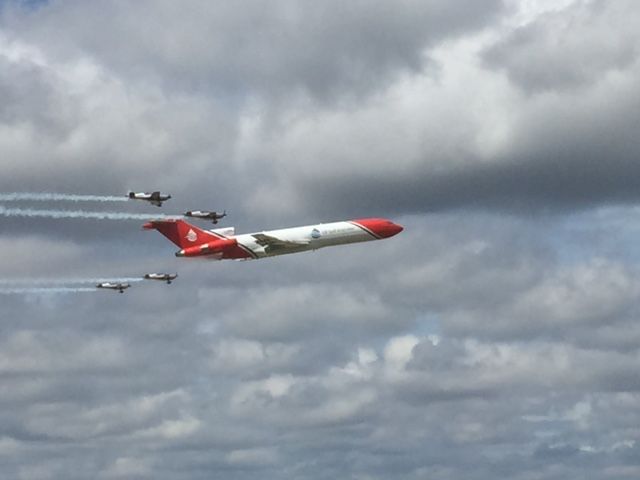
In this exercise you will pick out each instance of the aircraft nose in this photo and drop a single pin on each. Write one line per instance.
(389, 230)
(379, 227)
(395, 229)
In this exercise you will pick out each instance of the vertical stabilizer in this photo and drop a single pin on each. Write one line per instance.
(183, 234)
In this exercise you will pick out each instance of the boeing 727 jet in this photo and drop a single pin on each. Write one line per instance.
(224, 244)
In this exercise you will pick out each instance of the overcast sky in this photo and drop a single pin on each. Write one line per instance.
(496, 337)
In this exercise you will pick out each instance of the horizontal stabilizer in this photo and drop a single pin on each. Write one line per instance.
(225, 232)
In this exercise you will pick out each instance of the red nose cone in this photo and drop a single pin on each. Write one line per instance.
(379, 227)
(396, 229)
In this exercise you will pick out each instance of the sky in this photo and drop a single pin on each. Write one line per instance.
(496, 337)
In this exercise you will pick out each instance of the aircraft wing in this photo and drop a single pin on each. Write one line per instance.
(273, 243)
(156, 199)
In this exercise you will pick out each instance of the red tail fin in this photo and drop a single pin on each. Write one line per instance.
(180, 232)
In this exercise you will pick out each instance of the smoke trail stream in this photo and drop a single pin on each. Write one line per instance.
(59, 197)
(33, 282)
(43, 286)
(58, 214)
(44, 290)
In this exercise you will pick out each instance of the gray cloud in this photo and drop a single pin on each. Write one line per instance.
(572, 48)
(569, 152)
(326, 50)
(334, 395)
(494, 337)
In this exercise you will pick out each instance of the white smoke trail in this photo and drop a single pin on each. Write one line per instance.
(44, 290)
(53, 197)
(57, 214)
(10, 283)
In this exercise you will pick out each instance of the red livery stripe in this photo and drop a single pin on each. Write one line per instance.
(378, 227)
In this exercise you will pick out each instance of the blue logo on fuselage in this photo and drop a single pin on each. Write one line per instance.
(315, 233)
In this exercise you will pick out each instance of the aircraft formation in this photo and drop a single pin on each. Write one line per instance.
(224, 243)
(122, 286)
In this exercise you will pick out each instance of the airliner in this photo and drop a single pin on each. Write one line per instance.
(222, 244)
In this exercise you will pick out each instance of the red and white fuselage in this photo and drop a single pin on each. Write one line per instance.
(224, 244)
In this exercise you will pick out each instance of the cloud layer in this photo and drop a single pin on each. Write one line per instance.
(497, 336)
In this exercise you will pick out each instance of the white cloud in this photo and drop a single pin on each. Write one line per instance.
(399, 351)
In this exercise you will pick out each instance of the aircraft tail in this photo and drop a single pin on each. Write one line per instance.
(183, 234)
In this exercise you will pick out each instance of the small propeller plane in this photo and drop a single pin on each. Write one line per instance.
(166, 277)
(114, 286)
(224, 244)
(154, 198)
(206, 215)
